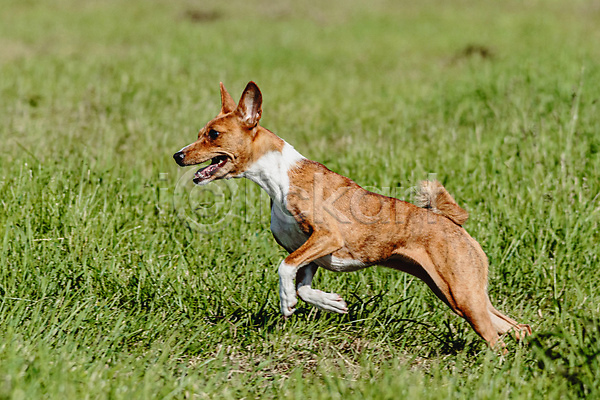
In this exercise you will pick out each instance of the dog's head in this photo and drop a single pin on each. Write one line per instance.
(226, 140)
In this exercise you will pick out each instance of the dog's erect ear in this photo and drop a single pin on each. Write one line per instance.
(249, 108)
(227, 103)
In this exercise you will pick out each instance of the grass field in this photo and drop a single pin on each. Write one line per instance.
(114, 284)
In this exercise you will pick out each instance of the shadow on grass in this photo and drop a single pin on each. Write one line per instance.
(572, 352)
(366, 318)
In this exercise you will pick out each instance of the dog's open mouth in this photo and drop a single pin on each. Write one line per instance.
(206, 173)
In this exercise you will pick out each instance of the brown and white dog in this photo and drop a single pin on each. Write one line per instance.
(326, 220)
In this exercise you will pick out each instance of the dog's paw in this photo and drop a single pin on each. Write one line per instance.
(333, 302)
(288, 306)
(521, 331)
(325, 301)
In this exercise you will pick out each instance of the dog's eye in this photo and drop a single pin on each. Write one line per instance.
(213, 134)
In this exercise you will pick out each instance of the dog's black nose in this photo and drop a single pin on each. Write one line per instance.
(179, 156)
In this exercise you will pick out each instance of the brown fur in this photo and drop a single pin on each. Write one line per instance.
(341, 220)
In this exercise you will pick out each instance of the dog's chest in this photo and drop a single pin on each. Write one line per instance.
(288, 234)
(286, 229)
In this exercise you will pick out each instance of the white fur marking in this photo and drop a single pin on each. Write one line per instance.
(325, 301)
(285, 228)
(184, 147)
(270, 172)
(346, 264)
(287, 291)
(333, 263)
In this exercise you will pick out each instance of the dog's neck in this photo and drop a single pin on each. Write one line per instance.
(270, 170)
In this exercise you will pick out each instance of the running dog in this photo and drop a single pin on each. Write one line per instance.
(326, 220)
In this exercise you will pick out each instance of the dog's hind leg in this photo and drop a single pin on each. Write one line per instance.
(325, 301)
(504, 324)
(463, 297)
(472, 306)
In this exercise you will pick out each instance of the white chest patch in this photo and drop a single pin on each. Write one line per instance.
(286, 229)
(270, 172)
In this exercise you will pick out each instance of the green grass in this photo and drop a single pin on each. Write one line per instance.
(107, 291)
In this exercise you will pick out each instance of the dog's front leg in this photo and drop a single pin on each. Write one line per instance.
(319, 244)
(287, 294)
(325, 301)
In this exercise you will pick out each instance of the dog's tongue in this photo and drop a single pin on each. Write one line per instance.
(208, 171)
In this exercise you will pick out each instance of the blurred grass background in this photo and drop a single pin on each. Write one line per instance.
(107, 293)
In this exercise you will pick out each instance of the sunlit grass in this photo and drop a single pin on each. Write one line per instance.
(105, 290)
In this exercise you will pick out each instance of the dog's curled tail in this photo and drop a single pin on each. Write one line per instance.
(433, 196)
